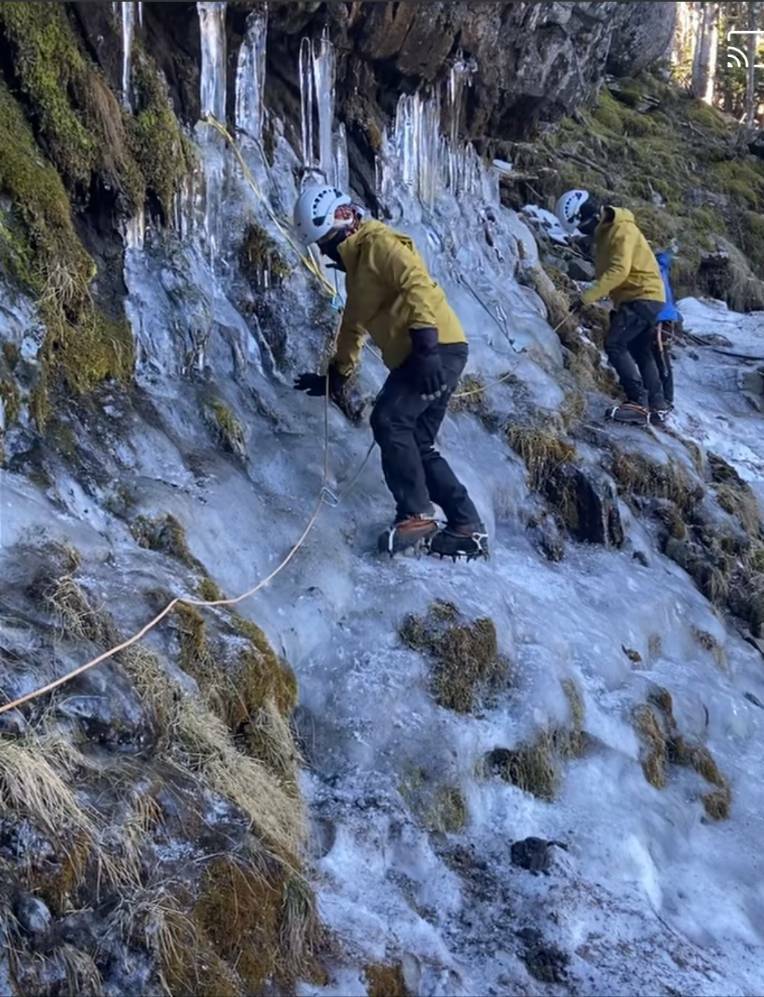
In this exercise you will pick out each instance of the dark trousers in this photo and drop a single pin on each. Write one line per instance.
(629, 348)
(405, 427)
(662, 354)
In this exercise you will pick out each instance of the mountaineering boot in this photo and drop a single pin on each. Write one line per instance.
(407, 533)
(629, 412)
(461, 541)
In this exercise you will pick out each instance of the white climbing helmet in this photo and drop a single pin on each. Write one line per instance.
(314, 212)
(568, 208)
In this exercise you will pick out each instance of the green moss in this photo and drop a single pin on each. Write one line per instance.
(96, 348)
(741, 179)
(39, 240)
(9, 395)
(77, 118)
(162, 151)
(467, 662)
(609, 113)
(228, 429)
(49, 65)
(752, 238)
(83, 347)
(260, 260)
(706, 117)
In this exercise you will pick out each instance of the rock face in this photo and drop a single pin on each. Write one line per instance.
(642, 34)
(533, 62)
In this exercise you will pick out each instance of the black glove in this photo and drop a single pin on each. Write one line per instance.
(315, 386)
(423, 368)
(312, 384)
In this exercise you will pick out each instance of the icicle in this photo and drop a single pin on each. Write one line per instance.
(306, 101)
(134, 231)
(213, 74)
(341, 161)
(324, 71)
(140, 14)
(250, 76)
(128, 33)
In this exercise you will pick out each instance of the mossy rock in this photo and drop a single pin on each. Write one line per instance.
(466, 660)
(78, 119)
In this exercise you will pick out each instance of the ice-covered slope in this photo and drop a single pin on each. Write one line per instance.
(648, 894)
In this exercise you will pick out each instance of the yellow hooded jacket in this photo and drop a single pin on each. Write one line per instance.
(626, 267)
(389, 291)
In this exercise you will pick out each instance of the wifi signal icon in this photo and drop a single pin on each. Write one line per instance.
(736, 58)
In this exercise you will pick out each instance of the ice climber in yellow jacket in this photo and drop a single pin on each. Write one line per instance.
(392, 298)
(628, 273)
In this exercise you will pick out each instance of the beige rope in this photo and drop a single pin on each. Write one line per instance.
(324, 492)
(105, 655)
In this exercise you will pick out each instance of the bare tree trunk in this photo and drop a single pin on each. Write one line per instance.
(704, 67)
(684, 41)
(753, 49)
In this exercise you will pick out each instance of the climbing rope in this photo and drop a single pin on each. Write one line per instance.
(326, 496)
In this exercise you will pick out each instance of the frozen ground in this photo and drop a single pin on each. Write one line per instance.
(649, 897)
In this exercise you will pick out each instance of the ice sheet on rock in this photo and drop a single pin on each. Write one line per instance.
(447, 906)
(710, 405)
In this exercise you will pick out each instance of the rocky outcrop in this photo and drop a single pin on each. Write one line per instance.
(642, 34)
(532, 62)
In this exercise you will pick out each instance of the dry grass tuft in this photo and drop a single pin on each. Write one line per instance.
(535, 767)
(227, 428)
(641, 476)
(709, 643)
(664, 746)
(542, 451)
(467, 663)
(167, 535)
(206, 747)
(385, 981)
(33, 782)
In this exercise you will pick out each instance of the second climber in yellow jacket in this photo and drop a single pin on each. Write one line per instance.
(628, 273)
(392, 298)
